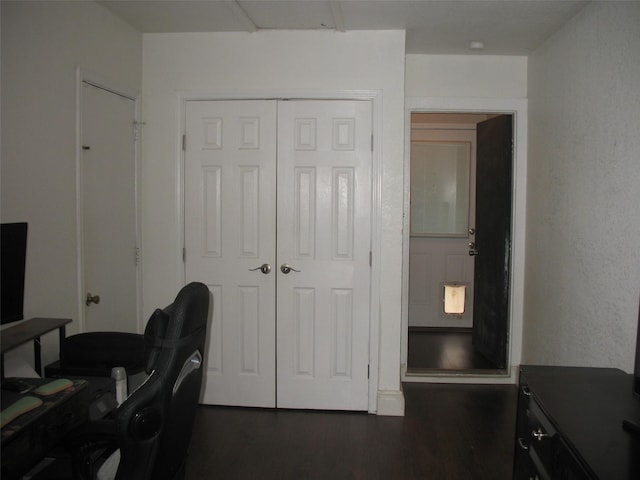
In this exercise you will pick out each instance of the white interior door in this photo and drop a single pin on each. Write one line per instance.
(322, 153)
(441, 256)
(109, 211)
(230, 231)
(324, 215)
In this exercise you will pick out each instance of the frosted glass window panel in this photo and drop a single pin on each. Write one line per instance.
(440, 175)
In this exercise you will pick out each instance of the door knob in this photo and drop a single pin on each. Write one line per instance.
(472, 249)
(92, 299)
(264, 268)
(539, 434)
(284, 268)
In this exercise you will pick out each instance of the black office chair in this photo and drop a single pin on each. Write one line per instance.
(152, 427)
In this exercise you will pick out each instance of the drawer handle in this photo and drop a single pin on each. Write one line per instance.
(522, 445)
(539, 434)
(526, 391)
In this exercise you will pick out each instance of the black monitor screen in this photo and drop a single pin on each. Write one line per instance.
(13, 245)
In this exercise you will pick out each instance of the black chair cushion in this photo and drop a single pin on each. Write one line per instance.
(104, 349)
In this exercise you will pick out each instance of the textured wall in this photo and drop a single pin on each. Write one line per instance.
(583, 224)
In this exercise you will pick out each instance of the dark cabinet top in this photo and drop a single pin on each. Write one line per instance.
(587, 407)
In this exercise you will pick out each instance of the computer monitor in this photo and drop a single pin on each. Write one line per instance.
(13, 245)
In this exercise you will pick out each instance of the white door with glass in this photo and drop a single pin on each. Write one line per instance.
(277, 223)
(108, 208)
(441, 286)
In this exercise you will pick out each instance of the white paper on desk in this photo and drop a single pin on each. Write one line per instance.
(15, 365)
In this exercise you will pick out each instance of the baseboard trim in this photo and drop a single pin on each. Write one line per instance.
(390, 403)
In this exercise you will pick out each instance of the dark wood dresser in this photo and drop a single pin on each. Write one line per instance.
(569, 424)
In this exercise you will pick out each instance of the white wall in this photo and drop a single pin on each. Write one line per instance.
(583, 225)
(466, 76)
(269, 62)
(42, 44)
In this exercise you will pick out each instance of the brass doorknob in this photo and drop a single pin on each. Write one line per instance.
(92, 299)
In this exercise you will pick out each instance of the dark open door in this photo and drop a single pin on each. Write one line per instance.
(493, 238)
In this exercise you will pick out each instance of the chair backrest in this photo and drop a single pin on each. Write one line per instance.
(155, 423)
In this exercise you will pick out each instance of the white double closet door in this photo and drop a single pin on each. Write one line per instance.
(278, 225)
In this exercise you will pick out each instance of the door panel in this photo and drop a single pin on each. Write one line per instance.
(109, 211)
(230, 208)
(493, 238)
(324, 178)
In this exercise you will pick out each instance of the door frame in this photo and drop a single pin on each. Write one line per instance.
(375, 97)
(97, 80)
(517, 108)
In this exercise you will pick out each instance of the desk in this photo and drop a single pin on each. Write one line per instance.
(27, 439)
(32, 329)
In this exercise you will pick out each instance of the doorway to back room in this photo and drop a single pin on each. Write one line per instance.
(461, 169)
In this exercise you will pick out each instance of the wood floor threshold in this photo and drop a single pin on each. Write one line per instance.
(440, 330)
(438, 372)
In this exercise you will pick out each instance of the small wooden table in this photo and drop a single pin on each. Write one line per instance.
(32, 329)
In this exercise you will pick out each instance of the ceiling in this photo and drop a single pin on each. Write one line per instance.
(507, 27)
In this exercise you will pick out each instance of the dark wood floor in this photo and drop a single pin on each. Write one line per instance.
(447, 350)
(449, 432)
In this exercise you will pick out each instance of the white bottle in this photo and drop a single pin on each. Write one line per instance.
(119, 375)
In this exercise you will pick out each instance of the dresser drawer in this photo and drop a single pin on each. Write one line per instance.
(541, 438)
(568, 425)
(566, 466)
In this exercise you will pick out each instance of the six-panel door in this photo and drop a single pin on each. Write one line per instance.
(230, 229)
(324, 215)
